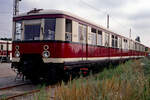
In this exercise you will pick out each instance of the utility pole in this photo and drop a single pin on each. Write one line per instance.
(130, 34)
(16, 7)
(108, 21)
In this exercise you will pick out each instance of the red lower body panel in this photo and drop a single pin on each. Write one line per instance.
(59, 49)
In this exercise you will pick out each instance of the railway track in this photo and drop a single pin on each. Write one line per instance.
(13, 86)
(20, 91)
(6, 93)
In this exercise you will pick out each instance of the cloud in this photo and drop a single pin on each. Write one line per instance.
(6, 18)
(124, 14)
(141, 15)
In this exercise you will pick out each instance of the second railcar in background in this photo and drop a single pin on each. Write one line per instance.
(49, 43)
(5, 50)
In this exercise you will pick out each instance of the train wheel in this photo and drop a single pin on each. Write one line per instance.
(31, 68)
(31, 72)
(53, 74)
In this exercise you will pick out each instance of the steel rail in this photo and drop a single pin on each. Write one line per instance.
(26, 93)
(13, 86)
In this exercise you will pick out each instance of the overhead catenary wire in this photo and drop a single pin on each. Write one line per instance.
(106, 13)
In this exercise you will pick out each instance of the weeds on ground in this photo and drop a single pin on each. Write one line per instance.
(128, 81)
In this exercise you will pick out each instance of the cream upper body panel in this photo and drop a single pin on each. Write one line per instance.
(60, 27)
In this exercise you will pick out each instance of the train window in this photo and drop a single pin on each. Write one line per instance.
(113, 41)
(82, 33)
(106, 39)
(120, 43)
(146, 49)
(49, 31)
(139, 47)
(18, 31)
(116, 42)
(93, 35)
(99, 32)
(68, 27)
(131, 45)
(135, 46)
(93, 30)
(125, 44)
(99, 38)
(32, 32)
(143, 49)
(1, 47)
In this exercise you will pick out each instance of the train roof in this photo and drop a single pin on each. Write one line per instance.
(53, 11)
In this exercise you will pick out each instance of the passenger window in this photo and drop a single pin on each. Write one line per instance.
(49, 31)
(146, 49)
(93, 35)
(18, 31)
(116, 42)
(68, 28)
(106, 39)
(135, 46)
(99, 38)
(32, 32)
(1, 47)
(113, 41)
(125, 44)
(120, 43)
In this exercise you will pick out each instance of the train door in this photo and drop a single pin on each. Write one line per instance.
(120, 47)
(32, 29)
(107, 44)
(83, 41)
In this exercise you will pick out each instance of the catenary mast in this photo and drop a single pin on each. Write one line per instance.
(16, 7)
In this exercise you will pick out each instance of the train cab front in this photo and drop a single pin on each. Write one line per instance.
(31, 37)
(34, 45)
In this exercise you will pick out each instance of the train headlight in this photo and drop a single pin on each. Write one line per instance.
(46, 54)
(17, 54)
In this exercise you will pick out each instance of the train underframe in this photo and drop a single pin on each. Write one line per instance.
(34, 69)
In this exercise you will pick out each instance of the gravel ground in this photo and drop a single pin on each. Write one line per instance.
(7, 78)
(7, 75)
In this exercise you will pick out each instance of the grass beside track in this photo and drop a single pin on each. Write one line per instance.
(128, 81)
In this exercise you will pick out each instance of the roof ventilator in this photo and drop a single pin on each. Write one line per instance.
(34, 11)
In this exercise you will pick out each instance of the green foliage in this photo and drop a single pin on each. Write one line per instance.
(146, 65)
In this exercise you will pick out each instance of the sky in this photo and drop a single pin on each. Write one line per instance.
(124, 14)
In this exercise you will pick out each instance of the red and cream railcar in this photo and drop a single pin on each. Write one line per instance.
(5, 50)
(46, 42)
